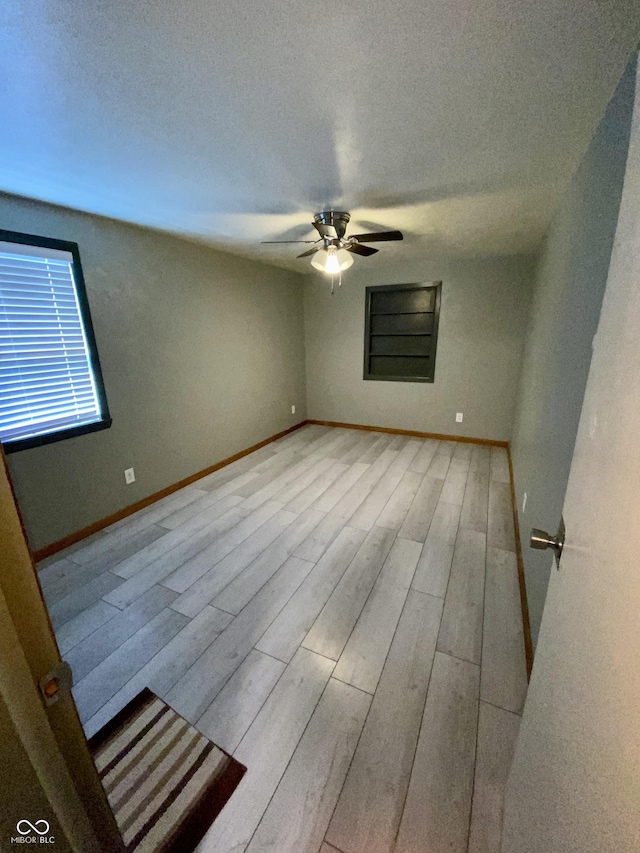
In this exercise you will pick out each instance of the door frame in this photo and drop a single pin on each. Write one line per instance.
(53, 736)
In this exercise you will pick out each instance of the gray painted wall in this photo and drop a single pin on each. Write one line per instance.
(570, 282)
(202, 354)
(483, 317)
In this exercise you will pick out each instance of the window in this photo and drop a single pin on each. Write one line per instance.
(50, 380)
(401, 331)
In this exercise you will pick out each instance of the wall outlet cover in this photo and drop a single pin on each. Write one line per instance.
(293, 410)
(458, 417)
(129, 476)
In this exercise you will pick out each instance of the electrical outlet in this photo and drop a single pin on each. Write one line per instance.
(129, 476)
(458, 417)
(524, 502)
(293, 410)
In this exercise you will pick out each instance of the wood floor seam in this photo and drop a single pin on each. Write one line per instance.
(430, 594)
(293, 751)
(500, 708)
(415, 749)
(355, 686)
(475, 760)
(456, 657)
(332, 847)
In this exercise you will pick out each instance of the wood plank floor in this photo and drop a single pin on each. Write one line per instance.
(339, 610)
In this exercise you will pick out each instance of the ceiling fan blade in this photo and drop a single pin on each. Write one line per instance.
(289, 241)
(309, 252)
(361, 250)
(377, 236)
(325, 230)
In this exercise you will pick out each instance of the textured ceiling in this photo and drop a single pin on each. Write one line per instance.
(458, 121)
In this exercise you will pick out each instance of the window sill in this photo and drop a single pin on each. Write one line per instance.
(50, 437)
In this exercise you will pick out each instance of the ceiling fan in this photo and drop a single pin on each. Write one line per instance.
(332, 250)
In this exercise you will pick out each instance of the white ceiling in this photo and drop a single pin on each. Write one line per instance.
(458, 121)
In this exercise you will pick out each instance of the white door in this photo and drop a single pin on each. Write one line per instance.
(575, 782)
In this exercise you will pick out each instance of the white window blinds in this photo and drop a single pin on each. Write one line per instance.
(46, 378)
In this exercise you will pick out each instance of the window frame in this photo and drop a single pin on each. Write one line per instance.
(105, 421)
(424, 285)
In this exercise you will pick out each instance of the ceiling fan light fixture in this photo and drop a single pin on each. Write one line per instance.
(332, 260)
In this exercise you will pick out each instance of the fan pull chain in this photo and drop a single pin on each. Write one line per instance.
(333, 278)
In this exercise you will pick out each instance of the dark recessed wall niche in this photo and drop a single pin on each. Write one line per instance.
(401, 332)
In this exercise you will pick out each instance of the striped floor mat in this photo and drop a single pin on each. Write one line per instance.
(166, 782)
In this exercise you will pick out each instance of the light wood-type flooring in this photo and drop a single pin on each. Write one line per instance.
(339, 610)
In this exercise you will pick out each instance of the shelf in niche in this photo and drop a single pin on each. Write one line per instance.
(396, 313)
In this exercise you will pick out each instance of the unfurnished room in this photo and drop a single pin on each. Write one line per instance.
(319, 405)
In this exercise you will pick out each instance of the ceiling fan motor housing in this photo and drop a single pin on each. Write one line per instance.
(338, 219)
